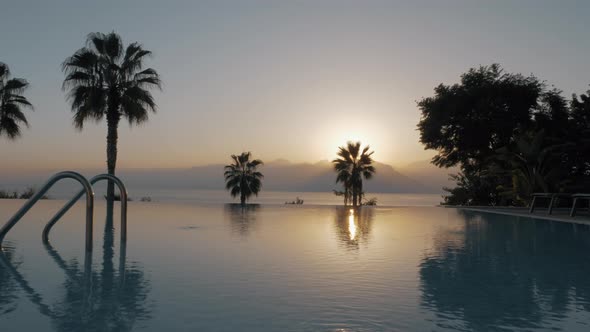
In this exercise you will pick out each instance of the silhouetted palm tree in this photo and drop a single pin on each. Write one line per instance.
(12, 103)
(242, 177)
(532, 165)
(352, 166)
(106, 79)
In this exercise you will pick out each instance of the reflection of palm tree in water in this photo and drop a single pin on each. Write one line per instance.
(242, 217)
(102, 301)
(353, 225)
(500, 272)
(7, 284)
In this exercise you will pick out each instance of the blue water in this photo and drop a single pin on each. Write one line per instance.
(215, 267)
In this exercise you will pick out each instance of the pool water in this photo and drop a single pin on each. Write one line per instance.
(294, 268)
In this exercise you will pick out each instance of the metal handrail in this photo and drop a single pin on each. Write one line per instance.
(123, 194)
(59, 176)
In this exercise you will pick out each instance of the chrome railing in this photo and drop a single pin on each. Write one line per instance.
(89, 205)
(29, 204)
(66, 208)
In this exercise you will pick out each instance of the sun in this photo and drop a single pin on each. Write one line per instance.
(339, 139)
(331, 133)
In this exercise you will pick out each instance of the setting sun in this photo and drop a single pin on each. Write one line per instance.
(369, 134)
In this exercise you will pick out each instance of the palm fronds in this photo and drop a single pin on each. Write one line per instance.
(12, 104)
(351, 166)
(242, 176)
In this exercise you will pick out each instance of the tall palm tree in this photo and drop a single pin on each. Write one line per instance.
(242, 177)
(12, 103)
(352, 166)
(106, 79)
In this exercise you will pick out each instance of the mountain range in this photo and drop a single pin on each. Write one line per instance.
(279, 175)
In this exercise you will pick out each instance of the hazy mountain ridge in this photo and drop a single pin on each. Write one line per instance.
(279, 175)
(429, 175)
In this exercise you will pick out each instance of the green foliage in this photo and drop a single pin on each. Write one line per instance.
(475, 188)
(8, 195)
(467, 122)
(25, 194)
(104, 79)
(12, 104)
(351, 167)
(297, 201)
(242, 177)
(509, 135)
(532, 166)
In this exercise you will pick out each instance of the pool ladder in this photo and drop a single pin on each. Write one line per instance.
(87, 189)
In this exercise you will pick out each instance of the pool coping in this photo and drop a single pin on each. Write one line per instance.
(523, 212)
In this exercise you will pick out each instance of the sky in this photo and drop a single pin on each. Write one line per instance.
(283, 79)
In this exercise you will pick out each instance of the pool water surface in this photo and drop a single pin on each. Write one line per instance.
(215, 267)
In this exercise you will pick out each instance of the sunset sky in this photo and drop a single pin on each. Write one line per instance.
(283, 79)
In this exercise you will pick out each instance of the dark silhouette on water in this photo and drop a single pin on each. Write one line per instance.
(242, 178)
(501, 271)
(12, 103)
(106, 79)
(351, 166)
(242, 218)
(109, 300)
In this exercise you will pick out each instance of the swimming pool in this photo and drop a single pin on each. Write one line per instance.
(294, 268)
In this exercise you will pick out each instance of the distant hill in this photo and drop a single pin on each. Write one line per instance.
(280, 175)
(320, 176)
(432, 177)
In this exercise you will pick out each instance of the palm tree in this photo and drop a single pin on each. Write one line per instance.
(532, 165)
(106, 79)
(242, 178)
(352, 166)
(12, 104)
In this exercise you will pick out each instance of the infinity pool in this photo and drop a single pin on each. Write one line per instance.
(294, 268)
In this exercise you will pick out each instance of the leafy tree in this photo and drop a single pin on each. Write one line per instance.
(12, 103)
(242, 177)
(351, 167)
(578, 135)
(474, 189)
(469, 122)
(106, 79)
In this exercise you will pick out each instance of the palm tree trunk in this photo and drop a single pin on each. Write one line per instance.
(112, 138)
(345, 195)
(360, 195)
(108, 269)
(243, 199)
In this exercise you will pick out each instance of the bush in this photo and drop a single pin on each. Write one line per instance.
(26, 194)
(297, 201)
(371, 202)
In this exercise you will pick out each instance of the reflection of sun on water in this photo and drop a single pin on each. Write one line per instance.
(351, 225)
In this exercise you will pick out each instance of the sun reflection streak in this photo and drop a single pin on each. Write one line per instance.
(351, 225)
